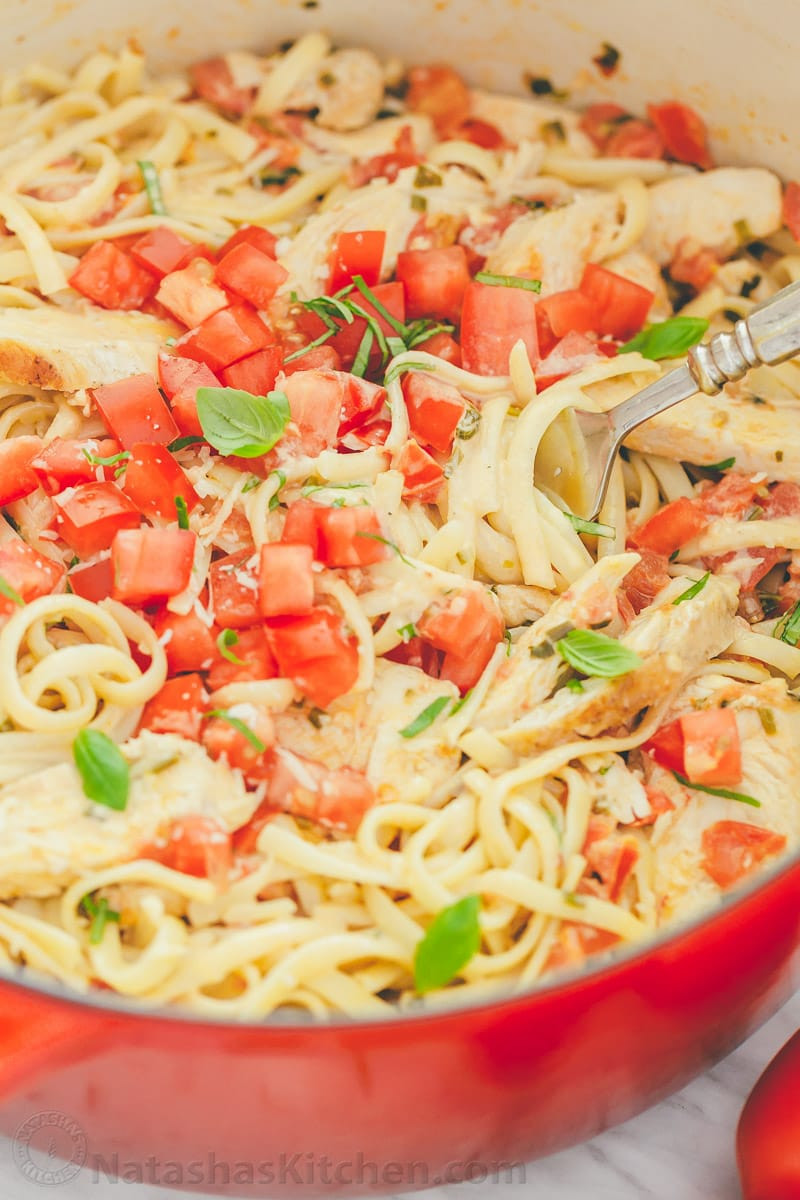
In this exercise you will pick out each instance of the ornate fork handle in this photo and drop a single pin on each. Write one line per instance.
(769, 335)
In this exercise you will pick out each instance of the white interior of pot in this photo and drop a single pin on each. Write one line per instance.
(734, 60)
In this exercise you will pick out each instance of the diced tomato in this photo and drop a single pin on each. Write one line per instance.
(160, 250)
(374, 434)
(189, 643)
(712, 750)
(301, 526)
(392, 297)
(63, 464)
(659, 803)
(251, 235)
(610, 858)
(571, 354)
(227, 336)
(783, 500)
(575, 943)
(563, 313)
(683, 131)
(599, 121)
(180, 378)
(178, 708)
(358, 253)
(195, 845)
(151, 564)
(18, 477)
(251, 274)
(732, 849)
(316, 400)
(693, 264)
(441, 93)
(93, 582)
(362, 401)
(423, 476)
(28, 572)
(213, 80)
(135, 411)
(245, 839)
(153, 480)
(442, 345)
(791, 209)
(191, 294)
(109, 277)
(493, 319)
(319, 358)
(350, 537)
(622, 305)
(634, 139)
(419, 654)
(87, 517)
(338, 801)
(234, 590)
(731, 497)
(315, 652)
(671, 527)
(255, 660)
(386, 166)
(762, 558)
(481, 133)
(644, 581)
(223, 740)
(285, 581)
(434, 408)
(467, 626)
(666, 747)
(255, 374)
(435, 281)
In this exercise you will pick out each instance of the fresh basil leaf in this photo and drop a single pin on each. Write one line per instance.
(425, 718)
(361, 360)
(596, 654)
(226, 639)
(223, 715)
(694, 590)
(235, 422)
(101, 914)
(530, 285)
(668, 339)
(716, 791)
(111, 460)
(788, 629)
(104, 773)
(180, 443)
(591, 527)
(182, 511)
(10, 593)
(152, 185)
(452, 939)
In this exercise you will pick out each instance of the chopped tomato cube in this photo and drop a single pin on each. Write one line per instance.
(481, 133)
(338, 799)
(666, 747)
(315, 652)
(180, 378)
(693, 264)
(571, 354)
(301, 526)
(635, 139)
(28, 572)
(493, 319)
(223, 740)
(177, 708)
(93, 582)
(734, 495)
(644, 581)
(599, 121)
(135, 411)
(350, 537)
(151, 564)
(87, 517)
(610, 858)
(442, 345)
(251, 235)
(358, 253)
(18, 476)
(213, 80)
(251, 274)
(255, 660)
(160, 250)
(286, 581)
(441, 93)
(467, 626)
(386, 166)
(362, 401)
(111, 278)
(791, 209)
(195, 845)
(154, 481)
(189, 643)
(190, 293)
(319, 358)
(227, 336)
(621, 305)
(671, 527)
(435, 281)
(563, 313)
(683, 131)
(63, 464)
(423, 476)
(316, 400)
(783, 500)
(255, 374)
(732, 849)
(234, 590)
(434, 409)
(711, 747)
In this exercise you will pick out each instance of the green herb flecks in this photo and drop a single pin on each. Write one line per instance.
(236, 723)
(426, 718)
(111, 460)
(183, 512)
(152, 185)
(594, 528)
(10, 593)
(225, 639)
(101, 913)
(725, 793)
(695, 589)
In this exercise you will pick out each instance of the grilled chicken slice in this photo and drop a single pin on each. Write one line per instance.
(65, 351)
(52, 833)
(707, 207)
(770, 771)
(672, 642)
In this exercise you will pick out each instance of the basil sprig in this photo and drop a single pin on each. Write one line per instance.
(426, 718)
(453, 938)
(235, 422)
(668, 339)
(104, 773)
(596, 654)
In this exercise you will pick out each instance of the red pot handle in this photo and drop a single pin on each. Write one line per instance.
(38, 1031)
(768, 1137)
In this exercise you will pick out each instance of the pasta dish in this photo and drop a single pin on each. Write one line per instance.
(315, 693)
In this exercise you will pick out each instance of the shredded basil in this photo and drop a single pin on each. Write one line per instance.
(407, 632)
(239, 423)
(591, 527)
(695, 589)
(104, 773)
(10, 593)
(252, 483)
(181, 443)
(425, 718)
(376, 537)
(596, 654)
(182, 511)
(715, 791)
(529, 285)
(223, 715)
(788, 629)
(226, 639)
(724, 464)
(152, 185)
(668, 339)
(98, 461)
(399, 369)
(452, 939)
(469, 424)
(101, 913)
(767, 718)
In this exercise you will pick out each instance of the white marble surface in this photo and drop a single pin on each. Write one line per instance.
(681, 1150)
